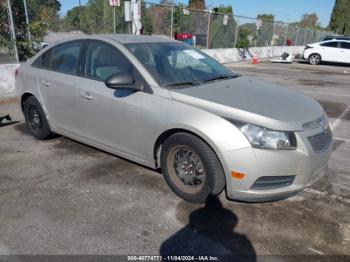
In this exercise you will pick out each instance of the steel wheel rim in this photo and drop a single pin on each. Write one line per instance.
(186, 169)
(35, 119)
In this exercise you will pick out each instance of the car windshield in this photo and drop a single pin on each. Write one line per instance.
(178, 65)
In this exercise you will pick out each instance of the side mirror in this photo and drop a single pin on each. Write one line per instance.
(121, 81)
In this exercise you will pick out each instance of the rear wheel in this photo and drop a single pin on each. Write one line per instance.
(191, 168)
(314, 59)
(36, 119)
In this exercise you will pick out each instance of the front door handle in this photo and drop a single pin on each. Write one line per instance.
(86, 95)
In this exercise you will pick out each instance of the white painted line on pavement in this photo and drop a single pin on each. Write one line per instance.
(343, 139)
(336, 123)
(316, 251)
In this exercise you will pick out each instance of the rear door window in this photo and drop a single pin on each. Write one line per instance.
(330, 44)
(345, 45)
(65, 57)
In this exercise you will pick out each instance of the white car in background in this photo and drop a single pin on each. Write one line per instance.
(328, 51)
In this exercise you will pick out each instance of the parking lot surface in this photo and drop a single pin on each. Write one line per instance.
(62, 197)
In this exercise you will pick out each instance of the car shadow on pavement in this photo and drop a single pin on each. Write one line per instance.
(326, 63)
(210, 232)
(22, 128)
(8, 123)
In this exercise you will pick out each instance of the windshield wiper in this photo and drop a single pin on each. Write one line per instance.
(220, 78)
(183, 84)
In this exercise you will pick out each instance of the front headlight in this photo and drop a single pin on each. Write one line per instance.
(264, 138)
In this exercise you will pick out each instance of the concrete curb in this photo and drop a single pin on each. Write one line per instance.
(7, 80)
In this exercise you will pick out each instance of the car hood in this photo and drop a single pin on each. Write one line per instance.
(254, 101)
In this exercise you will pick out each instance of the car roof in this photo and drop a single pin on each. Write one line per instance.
(127, 38)
(336, 36)
(120, 38)
(335, 40)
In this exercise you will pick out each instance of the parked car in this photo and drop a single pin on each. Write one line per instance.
(169, 106)
(328, 51)
(335, 37)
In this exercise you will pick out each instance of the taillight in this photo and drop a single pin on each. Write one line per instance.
(16, 72)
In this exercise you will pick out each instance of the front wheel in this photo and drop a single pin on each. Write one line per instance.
(314, 59)
(191, 168)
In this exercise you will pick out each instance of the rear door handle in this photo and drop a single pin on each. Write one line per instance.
(86, 95)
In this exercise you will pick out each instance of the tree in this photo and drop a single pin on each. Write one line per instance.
(310, 20)
(167, 2)
(150, 17)
(340, 19)
(182, 22)
(222, 35)
(45, 12)
(266, 17)
(75, 19)
(6, 42)
(243, 38)
(264, 34)
(96, 17)
(196, 4)
(43, 15)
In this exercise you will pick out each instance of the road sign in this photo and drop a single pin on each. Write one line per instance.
(258, 24)
(114, 2)
(186, 11)
(225, 20)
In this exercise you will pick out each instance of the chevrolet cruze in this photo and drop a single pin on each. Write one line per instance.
(169, 106)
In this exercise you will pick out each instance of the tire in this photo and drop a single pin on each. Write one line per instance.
(197, 173)
(36, 119)
(314, 59)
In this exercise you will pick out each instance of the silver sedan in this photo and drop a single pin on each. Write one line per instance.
(169, 106)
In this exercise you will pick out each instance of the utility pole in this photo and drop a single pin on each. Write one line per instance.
(286, 36)
(27, 22)
(236, 33)
(13, 33)
(114, 21)
(208, 30)
(172, 22)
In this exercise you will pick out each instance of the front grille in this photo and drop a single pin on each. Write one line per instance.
(272, 182)
(321, 141)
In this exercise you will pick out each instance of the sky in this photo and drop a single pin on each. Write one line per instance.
(284, 10)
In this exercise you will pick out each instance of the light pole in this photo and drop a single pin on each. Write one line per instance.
(13, 33)
(27, 22)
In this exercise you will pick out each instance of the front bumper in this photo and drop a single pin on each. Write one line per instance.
(304, 163)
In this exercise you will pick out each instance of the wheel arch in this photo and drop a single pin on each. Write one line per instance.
(24, 97)
(166, 134)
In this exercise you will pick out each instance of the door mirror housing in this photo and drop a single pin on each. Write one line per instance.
(121, 81)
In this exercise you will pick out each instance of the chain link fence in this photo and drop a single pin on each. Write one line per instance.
(34, 20)
(7, 42)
